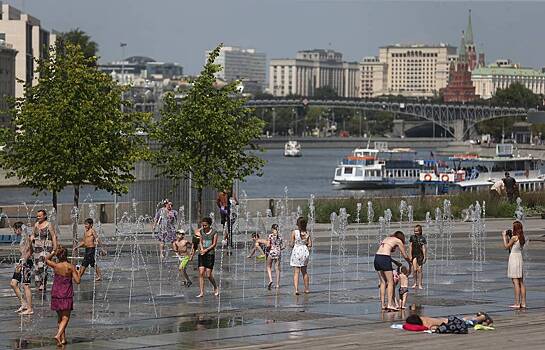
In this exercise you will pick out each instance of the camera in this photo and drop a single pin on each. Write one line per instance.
(78, 267)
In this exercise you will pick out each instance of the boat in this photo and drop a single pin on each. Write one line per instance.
(292, 148)
(378, 167)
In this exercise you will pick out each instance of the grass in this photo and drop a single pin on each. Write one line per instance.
(533, 203)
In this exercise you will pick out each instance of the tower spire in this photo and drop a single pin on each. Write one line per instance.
(462, 54)
(469, 31)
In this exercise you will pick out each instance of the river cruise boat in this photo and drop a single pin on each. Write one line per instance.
(292, 148)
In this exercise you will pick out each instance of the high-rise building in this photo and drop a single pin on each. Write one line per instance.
(30, 41)
(7, 78)
(415, 70)
(313, 69)
(242, 64)
(372, 77)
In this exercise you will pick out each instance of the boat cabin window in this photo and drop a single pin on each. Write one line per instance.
(359, 172)
(348, 170)
(338, 172)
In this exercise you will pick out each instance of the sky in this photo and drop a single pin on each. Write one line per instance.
(182, 30)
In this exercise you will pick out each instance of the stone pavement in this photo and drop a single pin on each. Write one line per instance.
(141, 303)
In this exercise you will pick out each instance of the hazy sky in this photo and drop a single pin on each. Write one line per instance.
(181, 30)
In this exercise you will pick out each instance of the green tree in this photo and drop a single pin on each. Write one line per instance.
(516, 95)
(209, 134)
(382, 124)
(79, 38)
(325, 92)
(69, 129)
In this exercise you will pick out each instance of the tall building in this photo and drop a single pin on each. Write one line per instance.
(416, 70)
(460, 87)
(313, 69)
(372, 77)
(29, 39)
(7, 78)
(242, 64)
(489, 79)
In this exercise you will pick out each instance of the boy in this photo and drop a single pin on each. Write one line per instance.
(403, 274)
(261, 245)
(90, 241)
(23, 271)
(184, 251)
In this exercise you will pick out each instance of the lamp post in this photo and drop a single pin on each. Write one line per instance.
(273, 122)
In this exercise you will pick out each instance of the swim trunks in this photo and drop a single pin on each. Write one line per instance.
(89, 258)
(183, 262)
(383, 263)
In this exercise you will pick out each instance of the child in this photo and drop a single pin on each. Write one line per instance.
(90, 241)
(23, 270)
(275, 247)
(259, 244)
(403, 274)
(184, 251)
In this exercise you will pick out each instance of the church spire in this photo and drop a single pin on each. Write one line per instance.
(469, 31)
(462, 54)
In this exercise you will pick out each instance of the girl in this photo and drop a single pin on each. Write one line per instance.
(62, 292)
(276, 245)
(515, 266)
(300, 242)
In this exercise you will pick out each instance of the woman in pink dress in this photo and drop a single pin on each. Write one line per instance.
(62, 292)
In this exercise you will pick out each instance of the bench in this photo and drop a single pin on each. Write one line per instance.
(9, 239)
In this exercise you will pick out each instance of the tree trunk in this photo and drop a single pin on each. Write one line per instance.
(75, 218)
(199, 205)
(54, 200)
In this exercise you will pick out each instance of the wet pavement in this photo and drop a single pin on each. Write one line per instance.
(141, 303)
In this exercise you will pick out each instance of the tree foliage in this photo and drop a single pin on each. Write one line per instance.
(79, 38)
(208, 134)
(69, 129)
(516, 95)
(325, 92)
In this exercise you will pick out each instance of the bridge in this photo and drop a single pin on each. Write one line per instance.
(457, 120)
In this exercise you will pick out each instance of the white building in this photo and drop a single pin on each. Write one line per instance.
(242, 64)
(29, 39)
(7, 78)
(372, 77)
(313, 69)
(502, 74)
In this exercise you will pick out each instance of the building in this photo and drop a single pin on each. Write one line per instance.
(29, 39)
(416, 70)
(242, 64)
(488, 79)
(460, 86)
(134, 68)
(313, 69)
(7, 78)
(372, 77)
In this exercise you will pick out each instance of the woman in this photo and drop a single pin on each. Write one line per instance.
(208, 239)
(515, 270)
(418, 253)
(276, 245)
(44, 241)
(383, 266)
(62, 292)
(300, 242)
(165, 220)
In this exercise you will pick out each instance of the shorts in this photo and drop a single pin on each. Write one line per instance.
(207, 260)
(419, 259)
(25, 272)
(89, 258)
(403, 291)
(383, 263)
(454, 325)
(184, 260)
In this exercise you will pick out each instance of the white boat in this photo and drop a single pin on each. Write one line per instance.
(292, 148)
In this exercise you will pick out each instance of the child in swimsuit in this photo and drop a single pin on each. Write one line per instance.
(261, 245)
(184, 251)
(403, 273)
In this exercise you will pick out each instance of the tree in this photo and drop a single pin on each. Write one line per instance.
(516, 95)
(325, 92)
(79, 38)
(69, 129)
(208, 134)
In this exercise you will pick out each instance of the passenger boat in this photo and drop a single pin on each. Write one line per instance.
(292, 148)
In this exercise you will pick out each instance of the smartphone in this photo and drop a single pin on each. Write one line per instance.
(78, 267)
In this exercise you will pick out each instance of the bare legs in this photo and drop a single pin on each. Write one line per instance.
(26, 299)
(386, 285)
(204, 272)
(417, 269)
(520, 293)
(306, 279)
(276, 262)
(98, 275)
(63, 317)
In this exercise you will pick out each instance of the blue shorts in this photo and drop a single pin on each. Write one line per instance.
(383, 263)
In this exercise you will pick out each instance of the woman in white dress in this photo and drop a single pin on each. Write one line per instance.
(300, 242)
(515, 242)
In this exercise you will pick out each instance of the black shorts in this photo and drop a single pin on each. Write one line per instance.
(383, 263)
(24, 273)
(419, 259)
(207, 260)
(89, 258)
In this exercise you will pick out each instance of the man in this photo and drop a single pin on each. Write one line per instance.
(90, 242)
(510, 186)
(44, 241)
(23, 271)
(223, 201)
